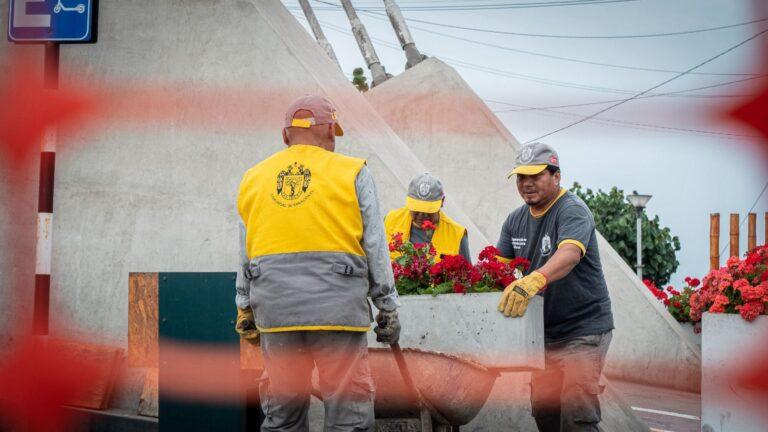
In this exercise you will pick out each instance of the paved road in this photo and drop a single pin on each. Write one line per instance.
(662, 409)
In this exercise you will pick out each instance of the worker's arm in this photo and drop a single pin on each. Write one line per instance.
(561, 263)
(381, 280)
(242, 286)
(464, 248)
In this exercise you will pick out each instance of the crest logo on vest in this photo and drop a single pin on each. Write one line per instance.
(546, 245)
(292, 185)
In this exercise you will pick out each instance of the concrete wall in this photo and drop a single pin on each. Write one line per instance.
(461, 141)
(18, 212)
(160, 196)
(729, 346)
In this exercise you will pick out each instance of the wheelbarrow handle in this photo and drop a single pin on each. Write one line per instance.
(421, 400)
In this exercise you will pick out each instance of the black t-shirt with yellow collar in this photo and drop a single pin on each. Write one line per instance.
(578, 304)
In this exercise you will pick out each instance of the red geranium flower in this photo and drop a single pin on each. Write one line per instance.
(427, 225)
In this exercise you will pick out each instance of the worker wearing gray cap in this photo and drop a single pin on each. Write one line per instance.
(555, 230)
(424, 203)
(313, 247)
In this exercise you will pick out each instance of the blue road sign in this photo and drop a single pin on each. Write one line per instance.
(50, 20)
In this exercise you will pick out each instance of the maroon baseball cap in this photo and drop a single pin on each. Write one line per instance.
(322, 111)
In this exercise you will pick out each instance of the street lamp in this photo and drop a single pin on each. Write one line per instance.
(639, 202)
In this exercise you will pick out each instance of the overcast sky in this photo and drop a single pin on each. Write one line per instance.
(637, 146)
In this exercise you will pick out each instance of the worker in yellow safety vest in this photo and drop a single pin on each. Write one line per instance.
(313, 247)
(423, 204)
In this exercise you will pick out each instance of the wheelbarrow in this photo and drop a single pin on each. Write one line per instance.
(447, 392)
(442, 391)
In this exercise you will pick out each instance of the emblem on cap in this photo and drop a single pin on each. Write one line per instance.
(424, 189)
(526, 154)
(553, 160)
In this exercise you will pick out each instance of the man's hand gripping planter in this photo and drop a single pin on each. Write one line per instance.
(515, 298)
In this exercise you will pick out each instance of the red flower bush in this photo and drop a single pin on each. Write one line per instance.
(416, 272)
(678, 303)
(739, 287)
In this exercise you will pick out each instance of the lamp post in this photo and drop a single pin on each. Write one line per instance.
(639, 202)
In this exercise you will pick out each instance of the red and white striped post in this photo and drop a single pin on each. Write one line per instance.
(40, 313)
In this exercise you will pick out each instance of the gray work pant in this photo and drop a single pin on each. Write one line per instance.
(564, 396)
(346, 384)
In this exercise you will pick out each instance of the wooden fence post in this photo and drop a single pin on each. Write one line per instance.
(734, 235)
(752, 232)
(714, 241)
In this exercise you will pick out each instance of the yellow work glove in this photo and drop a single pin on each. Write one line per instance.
(246, 326)
(515, 298)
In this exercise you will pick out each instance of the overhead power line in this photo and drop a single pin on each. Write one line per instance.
(638, 124)
(536, 79)
(674, 93)
(554, 57)
(591, 116)
(490, 6)
(556, 36)
(620, 123)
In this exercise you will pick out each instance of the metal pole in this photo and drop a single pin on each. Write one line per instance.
(40, 314)
(366, 46)
(318, 31)
(639, 230)
(412, 54)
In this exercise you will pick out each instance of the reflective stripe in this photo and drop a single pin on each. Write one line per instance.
(313, 328)
(44, 240)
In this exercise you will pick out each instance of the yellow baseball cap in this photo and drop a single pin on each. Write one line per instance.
(534, 158)
(425, 194)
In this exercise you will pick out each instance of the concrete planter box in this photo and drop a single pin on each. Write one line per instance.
(727, 341)
(470, 326)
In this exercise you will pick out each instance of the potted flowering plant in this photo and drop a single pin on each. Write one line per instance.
(678, 304)
(732, 306)
(416, 271)
(739, 287)
(439, 295)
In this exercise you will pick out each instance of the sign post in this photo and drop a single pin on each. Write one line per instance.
(49, 22)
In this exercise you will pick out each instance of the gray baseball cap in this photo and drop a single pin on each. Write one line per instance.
(534, 158)
(425, 194)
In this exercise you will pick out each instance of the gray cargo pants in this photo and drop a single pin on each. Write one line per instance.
(346, 384)
(564, 396)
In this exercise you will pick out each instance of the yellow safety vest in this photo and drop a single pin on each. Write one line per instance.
(307, 269)
(302, 199)
(447, 237)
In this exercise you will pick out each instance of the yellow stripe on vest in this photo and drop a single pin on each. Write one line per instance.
(314, 328)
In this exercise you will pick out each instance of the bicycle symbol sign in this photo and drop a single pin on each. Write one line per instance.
(50, 20)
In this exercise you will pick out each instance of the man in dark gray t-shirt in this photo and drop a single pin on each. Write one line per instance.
(556, 232)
